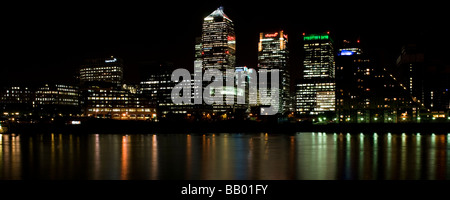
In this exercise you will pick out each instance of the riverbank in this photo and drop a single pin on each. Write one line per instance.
(138, 127)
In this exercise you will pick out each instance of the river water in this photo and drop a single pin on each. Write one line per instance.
(226, 156)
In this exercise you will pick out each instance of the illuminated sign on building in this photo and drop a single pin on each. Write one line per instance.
(111, 61)
(346, 53)
(316, 37)
(349, 52)
(271, 35)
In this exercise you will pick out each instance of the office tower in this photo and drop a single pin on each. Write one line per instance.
(57, 100)
(218, 50)
(319, 56)
(411, 71)
(273, 54)
(355, 83)
(218, 41)
(315, 94)
(105, 70)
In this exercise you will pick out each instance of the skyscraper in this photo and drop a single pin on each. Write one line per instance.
(273, 54)
(355, 83)
(315, 94)
(411, 71)
(219, 50)
(319, 56)
(218, 41)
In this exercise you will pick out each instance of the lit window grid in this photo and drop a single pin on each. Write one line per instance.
(315, 98)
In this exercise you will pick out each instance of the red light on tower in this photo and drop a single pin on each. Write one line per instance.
(358, 41)
(328, 32)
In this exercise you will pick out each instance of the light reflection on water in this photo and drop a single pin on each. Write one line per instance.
(225, 156)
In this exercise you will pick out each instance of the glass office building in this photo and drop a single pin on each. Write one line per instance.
(218, 41)
(218, 48)
(273, 54)
(319, 56)
(109, 70)
(315, 93)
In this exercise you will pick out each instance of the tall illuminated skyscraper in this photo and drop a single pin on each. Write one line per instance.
(218, 41)
(319, 56)
(219, 50)
(273, 54)
(315, 94)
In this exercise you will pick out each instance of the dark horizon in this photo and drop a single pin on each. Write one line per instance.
(51, 41)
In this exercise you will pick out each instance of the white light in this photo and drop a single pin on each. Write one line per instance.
(110, 61)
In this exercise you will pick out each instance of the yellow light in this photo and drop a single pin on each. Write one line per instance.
(260, 43)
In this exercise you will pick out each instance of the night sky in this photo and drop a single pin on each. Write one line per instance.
(48, 41)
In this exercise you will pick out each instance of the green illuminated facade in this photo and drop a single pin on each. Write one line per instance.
(316, 37)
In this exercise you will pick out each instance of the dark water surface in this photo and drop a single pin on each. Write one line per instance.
(226, 156)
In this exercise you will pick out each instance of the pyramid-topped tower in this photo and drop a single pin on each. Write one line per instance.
(218, 41)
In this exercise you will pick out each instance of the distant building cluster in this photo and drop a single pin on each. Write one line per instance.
(340, 83)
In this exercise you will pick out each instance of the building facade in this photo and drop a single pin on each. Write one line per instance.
(218, 52)
(57, 100)
(218, 41)
(315, 93)
(104, 95)
(369, 93)
(115, 103)
(16, 101)
(274, 54)
(106, 70)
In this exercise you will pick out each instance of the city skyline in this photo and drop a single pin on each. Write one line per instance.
(64, 45)
(271, 93)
